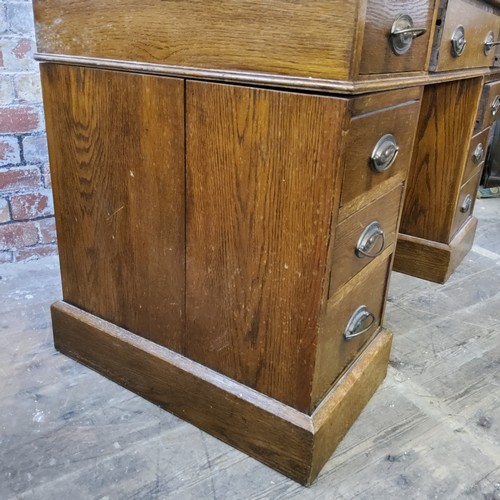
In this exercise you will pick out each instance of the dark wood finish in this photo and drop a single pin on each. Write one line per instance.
(263, 169)
(484, 117)
(313, 38)
(471, 167)
(365, 131)
(430, 260)
(346, 263)
(441, 146)
(377, 55)
(293, 443)
(116, 146)
(468, 189)
(334, 353)
(478, 19)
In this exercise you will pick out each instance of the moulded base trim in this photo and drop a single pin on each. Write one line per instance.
(430, 260)
(294, 443)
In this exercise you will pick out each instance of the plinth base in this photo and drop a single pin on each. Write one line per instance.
(430, 260)
(294, 443)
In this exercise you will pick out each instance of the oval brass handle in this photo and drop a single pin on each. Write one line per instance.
(467, 204)
(477, 156)
(384, 153)
(372, 235)
(458, 42)
(402, 34)
(361, 321)
(496, 105)
(489, 42)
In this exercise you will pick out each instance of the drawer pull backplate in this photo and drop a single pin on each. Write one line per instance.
(489, 43)
(466, 205)
(496, 105)
(361, 321)
(478, 154)
(371, 243)
(458, 42)
(384, 153)
(402, 34)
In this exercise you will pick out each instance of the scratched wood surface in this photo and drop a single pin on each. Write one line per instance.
(116, 145)
(262, 177)
(313, 38)
(433, 429)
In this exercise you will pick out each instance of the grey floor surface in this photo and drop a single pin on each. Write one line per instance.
(431, 431)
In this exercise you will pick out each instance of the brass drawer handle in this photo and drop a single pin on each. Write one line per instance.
(371, 243)
(361, 321)
(478, 154)
(384, 153)
(489, 42)
(402, 34)
(458, 41)
(466, 205)
(496, 105)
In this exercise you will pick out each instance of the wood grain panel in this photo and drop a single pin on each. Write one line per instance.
(116, 145)
(439, 156)
(263, 169)
(364, 133)
(478, 19)
(345, 262)
(334, 353)
(377, 55)
(312, 38)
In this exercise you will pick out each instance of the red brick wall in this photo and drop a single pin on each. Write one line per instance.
(26, 213)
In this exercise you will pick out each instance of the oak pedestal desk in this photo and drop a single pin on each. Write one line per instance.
(437, 228)
(228, 181)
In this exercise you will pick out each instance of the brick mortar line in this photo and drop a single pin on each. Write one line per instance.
(14, 221)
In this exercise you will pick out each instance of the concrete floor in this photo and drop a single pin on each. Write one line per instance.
(431, 431)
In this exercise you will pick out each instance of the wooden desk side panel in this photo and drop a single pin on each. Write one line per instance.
(313, 38)
(262, 174)
(116, 146)
(443, 136)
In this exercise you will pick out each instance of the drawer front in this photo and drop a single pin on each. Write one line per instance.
(472, 22)
(489, 107)
(383, 53)
(477, 153)
(366, 142)
(359, 239)
(466, 201)
(334, 352)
